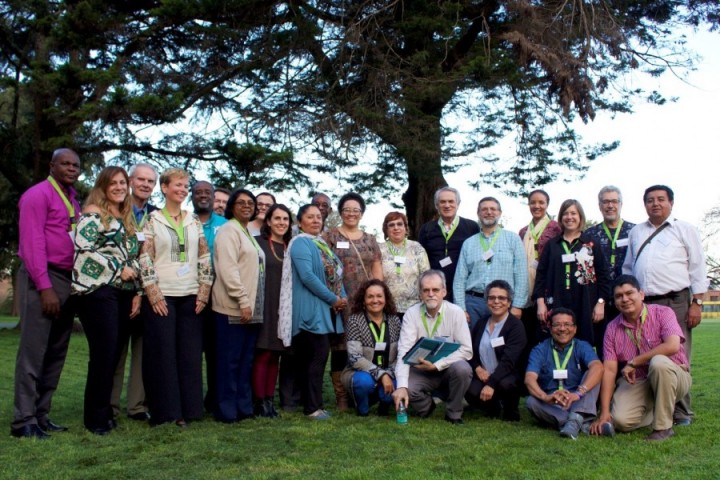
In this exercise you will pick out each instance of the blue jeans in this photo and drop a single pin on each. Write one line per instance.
(367, 392)
(477, 308)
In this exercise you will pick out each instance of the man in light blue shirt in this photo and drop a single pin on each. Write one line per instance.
(492, 254)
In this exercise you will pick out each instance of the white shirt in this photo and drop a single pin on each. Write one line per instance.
(672, 261)
(454, 328)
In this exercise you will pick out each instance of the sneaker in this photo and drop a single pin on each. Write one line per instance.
(572, 426)
(607, 429)
(683, 422)
(320, 414)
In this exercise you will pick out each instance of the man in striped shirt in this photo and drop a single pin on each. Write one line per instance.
(645, 341)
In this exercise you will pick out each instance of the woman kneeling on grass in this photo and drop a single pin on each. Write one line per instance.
(373, 330)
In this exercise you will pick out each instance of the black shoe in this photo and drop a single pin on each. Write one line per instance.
(383, 409)
(100, 431)
(511, 415)
(268, 408)
(50, 426)
(140, 416)
(29, 431)
(454, 421)
(112, 423)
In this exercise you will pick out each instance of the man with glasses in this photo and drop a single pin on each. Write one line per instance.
(493, 254)
(646, 343)
(563, 378)
(434, 318)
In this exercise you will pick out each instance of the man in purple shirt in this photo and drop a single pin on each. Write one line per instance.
(645, 341)
(48, 215)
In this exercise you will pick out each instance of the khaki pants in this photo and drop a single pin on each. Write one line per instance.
(652, 400)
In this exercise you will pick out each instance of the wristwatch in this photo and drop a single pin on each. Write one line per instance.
(601, 301)
(631, 364)
(697, 301)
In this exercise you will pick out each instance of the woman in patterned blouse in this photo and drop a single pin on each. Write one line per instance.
(177, 276)
(403, 262)
(105, 276)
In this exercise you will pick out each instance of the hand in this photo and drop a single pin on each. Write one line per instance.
(426, 366)
(596, 427)
(199, 306)
(467, 317)
(245, 315)
(542, 312)
(628, 374)
(486, 393)
(127, 274)
(50, 302)
(516, 312)
(387, 384)
(400, 395)
(340, 304)
(598, 313)
(135, 308)
(694, 315)
(482, 374)
(161, 308)
(563, 398)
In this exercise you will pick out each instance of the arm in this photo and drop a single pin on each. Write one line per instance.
(541, 283)
(607, 388)
(356, 359)
(460, 334)
(698, 274)
(376, 269)
(602, 271)
(460, 281)
(520, 276)
(531, 382)
(204, 266)
(228, 249)
(302, 261)
(670, 346)
(147, 270)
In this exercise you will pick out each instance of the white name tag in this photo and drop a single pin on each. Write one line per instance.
(622, 242)
(399, 260)
(560, 374)
(380, 346)
(343, 245)
(534, 264)
(488, 255)
(568, 257)
(140, 236)
(184, 270)
(445, 262)
(497, 342)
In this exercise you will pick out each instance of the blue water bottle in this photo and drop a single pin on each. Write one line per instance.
(402, 416)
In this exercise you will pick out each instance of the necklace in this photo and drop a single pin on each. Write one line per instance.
(272, 250)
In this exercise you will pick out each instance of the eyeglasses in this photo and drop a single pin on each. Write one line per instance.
(395, 225)
(562, 325)
(354, 211)
(264, 205)
(497, 298)
(243, 203)
(610, 202)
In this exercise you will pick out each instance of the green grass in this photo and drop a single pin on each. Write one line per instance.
(351, 447)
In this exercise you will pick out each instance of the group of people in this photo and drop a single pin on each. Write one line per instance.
(555, 312)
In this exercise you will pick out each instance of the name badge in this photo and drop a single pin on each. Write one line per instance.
(140, 236)
(445, 262)
(534, 264)
(343, 245)
(497, 342)
(488, 255)
(622, 242)
(380, 346)
(184, 270)
(399, 260)
(568, 258)
(560, 374)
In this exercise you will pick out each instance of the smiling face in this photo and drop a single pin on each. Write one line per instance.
(176, 190)
(202, 197)
(629, 300)
(279, 223)
(658, 206)
(311, 221)
(571, 220)
(263, 203)
(117, 190)
(142, 182)
(243, 208)
(397, 231)
(351, 213)
(322, 201)
(432, 292)
(489, 213)
(610, 207)
(375, 300)
(498, 302)
(538, 206)
(447, 206)
(562, 329)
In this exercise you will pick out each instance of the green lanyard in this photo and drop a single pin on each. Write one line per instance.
(142, 220)
(448, 233)
(537, 233)
(613, 240)
(423, 316)
(567, 265)
(563, 366)
(637, 338)
(68, 204)
(331, 255)
(378, 338)
(397, 253)
(254, 243)
(179, 230)
(493, 239)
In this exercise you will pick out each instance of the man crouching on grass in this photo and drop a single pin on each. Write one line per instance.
(648, 342)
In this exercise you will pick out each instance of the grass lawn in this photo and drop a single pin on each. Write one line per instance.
(351, 447)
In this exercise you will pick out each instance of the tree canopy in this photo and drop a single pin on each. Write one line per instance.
(272, 92)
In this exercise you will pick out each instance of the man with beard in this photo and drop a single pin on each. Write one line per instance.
(221, 199)
(48, 215)
(492, 254)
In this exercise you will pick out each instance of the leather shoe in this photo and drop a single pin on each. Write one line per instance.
(660, 435)
(454, 421)
(101, 431)
(140, 416)
(29, 431)
(51, 426)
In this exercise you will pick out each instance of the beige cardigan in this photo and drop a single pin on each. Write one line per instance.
(237, 266)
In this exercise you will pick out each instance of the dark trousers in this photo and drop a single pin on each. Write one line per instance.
(235, 351)
(105, 316)
(135, 389)
(42, 349)
(210, 350)
(288, 387)
(311, 353)
(505, 398)
(172, 361)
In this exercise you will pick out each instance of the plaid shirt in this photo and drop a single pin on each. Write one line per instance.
(660, 323)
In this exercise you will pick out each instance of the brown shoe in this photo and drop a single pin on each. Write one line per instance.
(341, 395)
(660, 435)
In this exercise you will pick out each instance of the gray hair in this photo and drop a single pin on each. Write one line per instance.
(609, 189)
(430, 273)
(131, 173)
(500, 284)
(446, 189)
